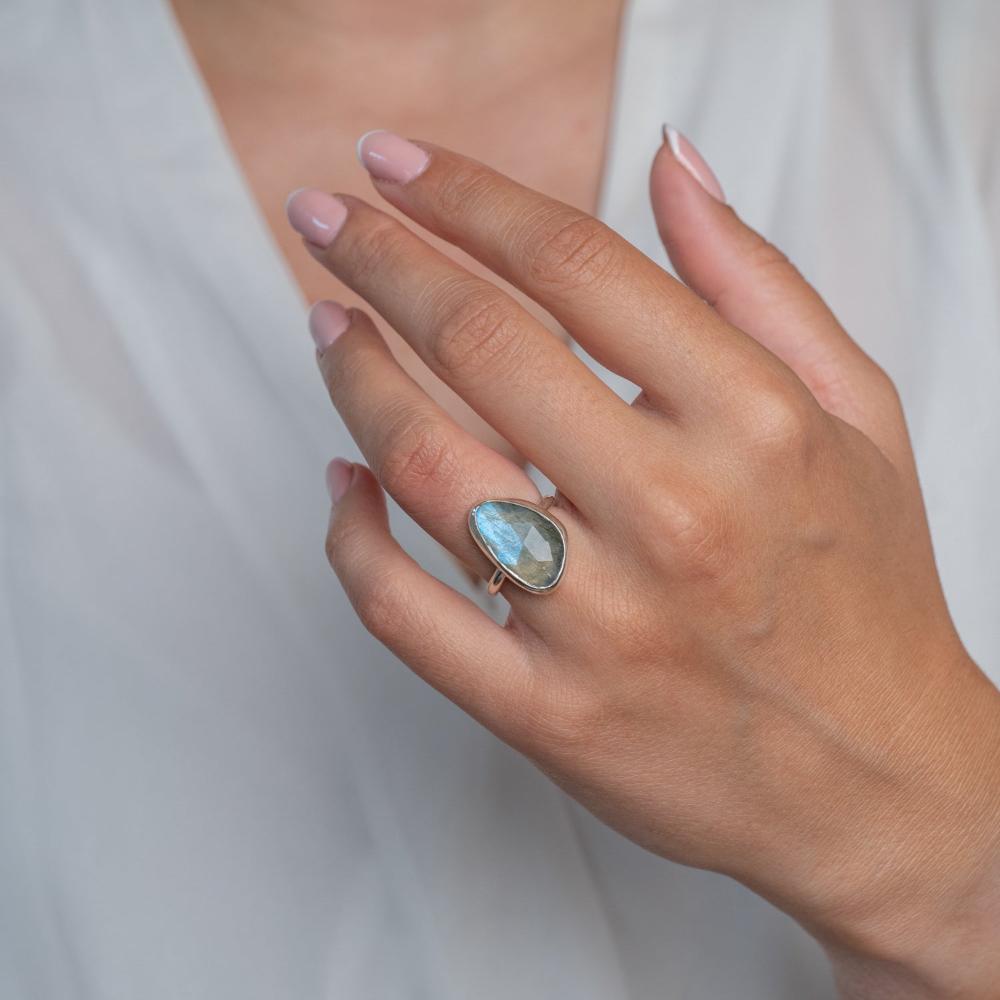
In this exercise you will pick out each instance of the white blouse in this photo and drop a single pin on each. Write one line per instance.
(213, 784)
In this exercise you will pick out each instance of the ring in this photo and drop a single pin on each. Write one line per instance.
(523, 540)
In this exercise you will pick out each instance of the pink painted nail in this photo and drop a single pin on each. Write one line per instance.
(387, 157)
(315, 215)
(338, 477)
(692, 161)
(327, 321)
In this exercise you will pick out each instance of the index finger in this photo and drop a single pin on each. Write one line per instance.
(617, 303)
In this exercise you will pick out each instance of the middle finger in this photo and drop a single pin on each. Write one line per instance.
(490, 350)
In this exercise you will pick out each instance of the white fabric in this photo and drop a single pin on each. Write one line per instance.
(213, 785)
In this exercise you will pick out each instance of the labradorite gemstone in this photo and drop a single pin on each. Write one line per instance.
(526, 544)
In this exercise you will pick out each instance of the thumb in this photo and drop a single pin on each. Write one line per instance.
(752, 285)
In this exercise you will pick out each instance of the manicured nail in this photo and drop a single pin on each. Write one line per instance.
(387, 157)
(338, 477)
(315, 215)
(327, 321)
(692, 161)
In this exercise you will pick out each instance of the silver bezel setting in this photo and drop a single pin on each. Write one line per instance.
(503, 573)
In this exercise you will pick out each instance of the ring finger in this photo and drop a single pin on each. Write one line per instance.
(435, 470)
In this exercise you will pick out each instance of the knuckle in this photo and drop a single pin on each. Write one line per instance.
(884, 386)
(781, 422)
(378, 603)
(481, 334)
(463, 190)
(377, 246)
(416, 452)
(698, 531)
(377, 592)
(343, 369)
(763, 264)
(853, 384)
(572, 249)
(343, 547)
(767, 264)
(762, 256)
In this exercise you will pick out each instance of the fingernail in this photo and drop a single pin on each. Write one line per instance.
(692, 161)
(387, 157)
(338, 477)
(327, 321)
(315, 215)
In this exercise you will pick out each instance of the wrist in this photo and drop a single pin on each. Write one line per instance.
(923, 919)
(944, 952)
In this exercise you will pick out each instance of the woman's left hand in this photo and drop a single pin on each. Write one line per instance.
(748, 665)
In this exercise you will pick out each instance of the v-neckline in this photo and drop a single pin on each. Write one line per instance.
(230, 162)
(191, 175)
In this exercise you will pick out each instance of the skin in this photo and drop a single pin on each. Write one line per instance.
(756, 673)
(503, 79)
(752, 669)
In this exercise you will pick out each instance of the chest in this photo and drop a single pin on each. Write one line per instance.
(554, 144)
(547, 129)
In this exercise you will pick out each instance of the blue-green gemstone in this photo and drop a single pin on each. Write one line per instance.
(525, 543)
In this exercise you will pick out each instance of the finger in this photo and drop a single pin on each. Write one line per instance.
(433, 468)
(754, 286)
(437, 632)
(500, 359)
(626, 311)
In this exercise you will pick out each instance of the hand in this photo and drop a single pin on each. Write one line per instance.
(748, 665)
